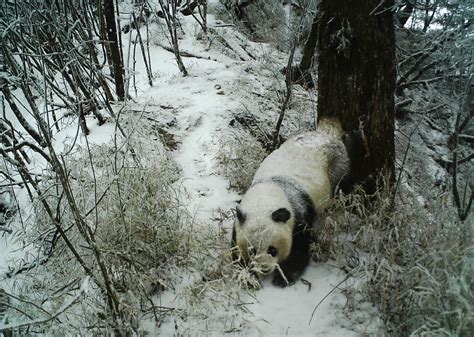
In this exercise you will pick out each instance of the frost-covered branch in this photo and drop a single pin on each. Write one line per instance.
(66, 305)
(32, 132)
(168, 9)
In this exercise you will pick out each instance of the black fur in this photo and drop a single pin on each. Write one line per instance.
(235, 255)
(305, 215)
(300, 200)
(298, 259)
(281, 215)
(240, 215)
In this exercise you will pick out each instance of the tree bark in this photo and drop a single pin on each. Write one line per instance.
(356, 81)
(111, 29)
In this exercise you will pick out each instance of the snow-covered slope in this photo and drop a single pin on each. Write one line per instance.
(204, 103)
(196, 111)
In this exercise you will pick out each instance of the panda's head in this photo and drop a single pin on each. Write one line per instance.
(264, 227)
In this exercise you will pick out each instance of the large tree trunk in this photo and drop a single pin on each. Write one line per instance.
(356, 80)
(111, 29)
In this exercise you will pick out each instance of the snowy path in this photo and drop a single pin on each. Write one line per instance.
(203, 117)
(202, 126)
(203, 105)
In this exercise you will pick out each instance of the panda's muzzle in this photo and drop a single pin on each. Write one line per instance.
(262, 263)
(258, 269)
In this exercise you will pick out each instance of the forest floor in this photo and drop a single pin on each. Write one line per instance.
(231, 80)
(230, 76)
(234, 88)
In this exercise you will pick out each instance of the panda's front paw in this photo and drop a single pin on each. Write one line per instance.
(279, 281)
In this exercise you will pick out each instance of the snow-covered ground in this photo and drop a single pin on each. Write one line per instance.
(220, 83)
(205, 101)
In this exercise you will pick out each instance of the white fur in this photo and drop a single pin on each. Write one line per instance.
(259, 229)
(314, 160)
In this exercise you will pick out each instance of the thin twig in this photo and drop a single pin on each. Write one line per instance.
(405, 155)
(288, 83)
(326, 296)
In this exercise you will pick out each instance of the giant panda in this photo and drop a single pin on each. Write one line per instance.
(289, 191)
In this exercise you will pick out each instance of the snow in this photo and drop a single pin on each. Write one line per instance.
(203, 103)
(288, 311)
(70, 302)
(203, 117)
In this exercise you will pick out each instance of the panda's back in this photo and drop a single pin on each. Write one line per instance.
(305, 158)
(301, 157)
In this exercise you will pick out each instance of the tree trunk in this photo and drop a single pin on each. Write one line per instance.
(111, 29)
(356, 81)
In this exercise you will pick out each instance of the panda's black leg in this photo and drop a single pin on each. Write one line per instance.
(234, 249)
(233, 242)
(280, 281)
(298, 259)
(292, 268)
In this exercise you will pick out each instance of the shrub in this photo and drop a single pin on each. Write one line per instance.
(415, 257)
(133, 205)
(239, 157)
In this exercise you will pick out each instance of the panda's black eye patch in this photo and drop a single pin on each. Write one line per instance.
(272, 251)
(240, 215)
(281, 215)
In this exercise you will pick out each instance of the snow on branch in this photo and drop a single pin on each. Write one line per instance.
(66, 305)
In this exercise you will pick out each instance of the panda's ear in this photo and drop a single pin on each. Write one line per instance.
(240, 215)
(281, 215)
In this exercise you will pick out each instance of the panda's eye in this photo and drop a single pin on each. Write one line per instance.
(272, 251)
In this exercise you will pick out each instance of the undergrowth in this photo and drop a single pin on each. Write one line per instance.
(416, 259)
(239, 157)
(132, 202)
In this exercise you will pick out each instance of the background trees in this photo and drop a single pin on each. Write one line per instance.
(114, 45)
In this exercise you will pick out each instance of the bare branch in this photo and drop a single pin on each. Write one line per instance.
(18, 146)
(171, 23)
(31, 131)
